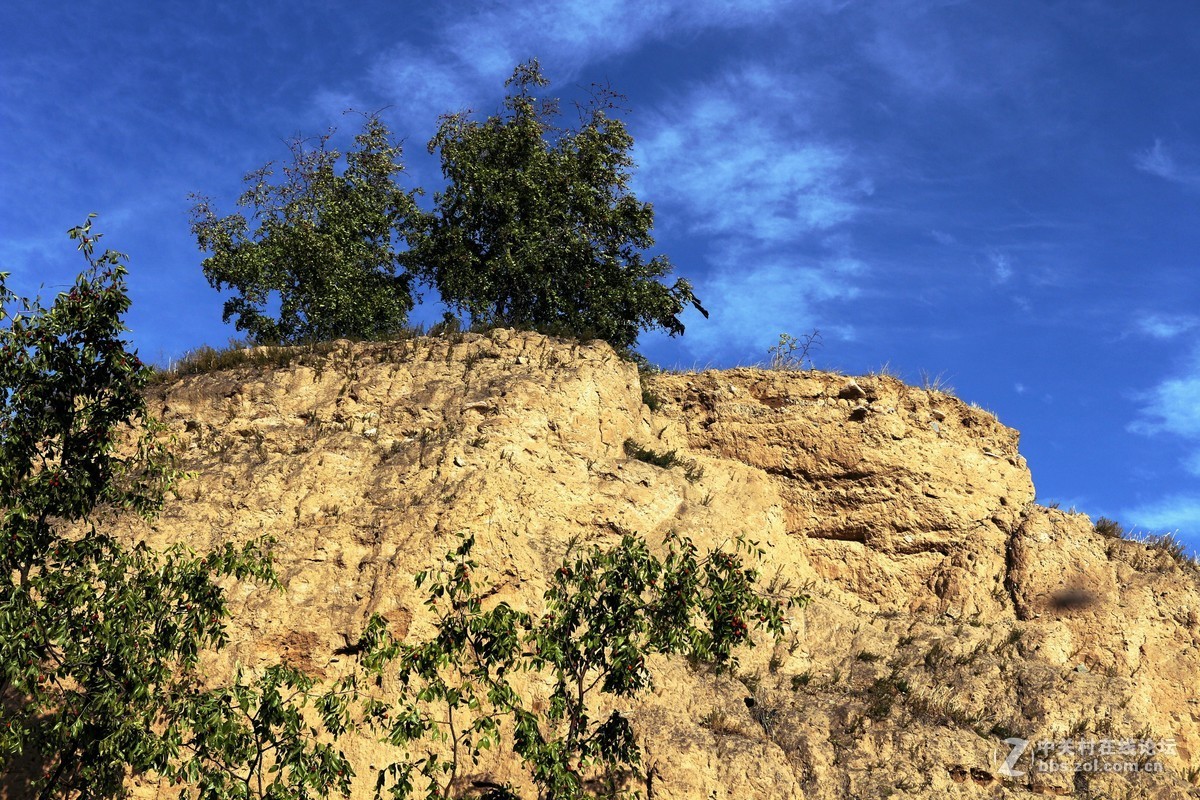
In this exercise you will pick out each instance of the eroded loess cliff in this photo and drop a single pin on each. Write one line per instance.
(949, 612)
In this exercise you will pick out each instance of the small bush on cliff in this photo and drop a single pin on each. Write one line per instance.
(538, 228)
(605, 612)
(1167, 543)
(100, 640)
(791, 353)
(665, 459)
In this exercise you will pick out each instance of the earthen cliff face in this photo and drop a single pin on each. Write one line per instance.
(949, 612)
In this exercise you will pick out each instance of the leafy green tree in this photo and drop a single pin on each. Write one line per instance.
(537, 227)
(605, 612)
(273, 737)
(326, 246)
(100, 639)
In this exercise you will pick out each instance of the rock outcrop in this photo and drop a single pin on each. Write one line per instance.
(949, 614)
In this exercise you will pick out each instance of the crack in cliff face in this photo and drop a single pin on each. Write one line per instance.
(819, 480)
(1010, 563)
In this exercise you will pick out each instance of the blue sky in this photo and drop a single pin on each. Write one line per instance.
(1005, 194)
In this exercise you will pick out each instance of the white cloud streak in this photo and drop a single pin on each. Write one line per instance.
(1002, 270)
(1160, 162)
(740, 167)
(943, 238)
(1162, 326)
(1173, 408)
(1180, 512)
(578, 31)
(739, 160)
(752, 301)
(465, 59)
(911, 42)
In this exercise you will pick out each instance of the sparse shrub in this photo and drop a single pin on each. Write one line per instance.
(791, 353)
(719, 722)
(1170, 545)
(692, 471)
(886, 371)
(936, 711)
(970, 656)
(883, 694)
(666, 459)
(935, 383)
(651, 400)
(449, 326)
(1001, 731)
(763, 715)
(934, 656)
(474, 357)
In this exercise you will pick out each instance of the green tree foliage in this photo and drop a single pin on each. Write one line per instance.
(270, 738)
(100, 639)
(537, 227)
(605, 612)
(326, 246)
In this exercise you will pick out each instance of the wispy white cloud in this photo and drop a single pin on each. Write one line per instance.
(1164, 326)
(919, 56)
(741, 159)
(752, 300)
(740, 168)
(329, 104)
(427, 83)
(1159, 161)
(914, 43)
(1172, 407)
(573, 32)
(1177, 512)
(943, 238)
(1002, 270)
(465, 58)
(17, 255)
(1192, 464)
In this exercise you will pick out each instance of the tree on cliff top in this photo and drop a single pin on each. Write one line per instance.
(538, 228)
(326, 246)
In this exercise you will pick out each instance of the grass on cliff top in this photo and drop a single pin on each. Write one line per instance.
(239, 353)
(207, 359)
(1166, 543)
